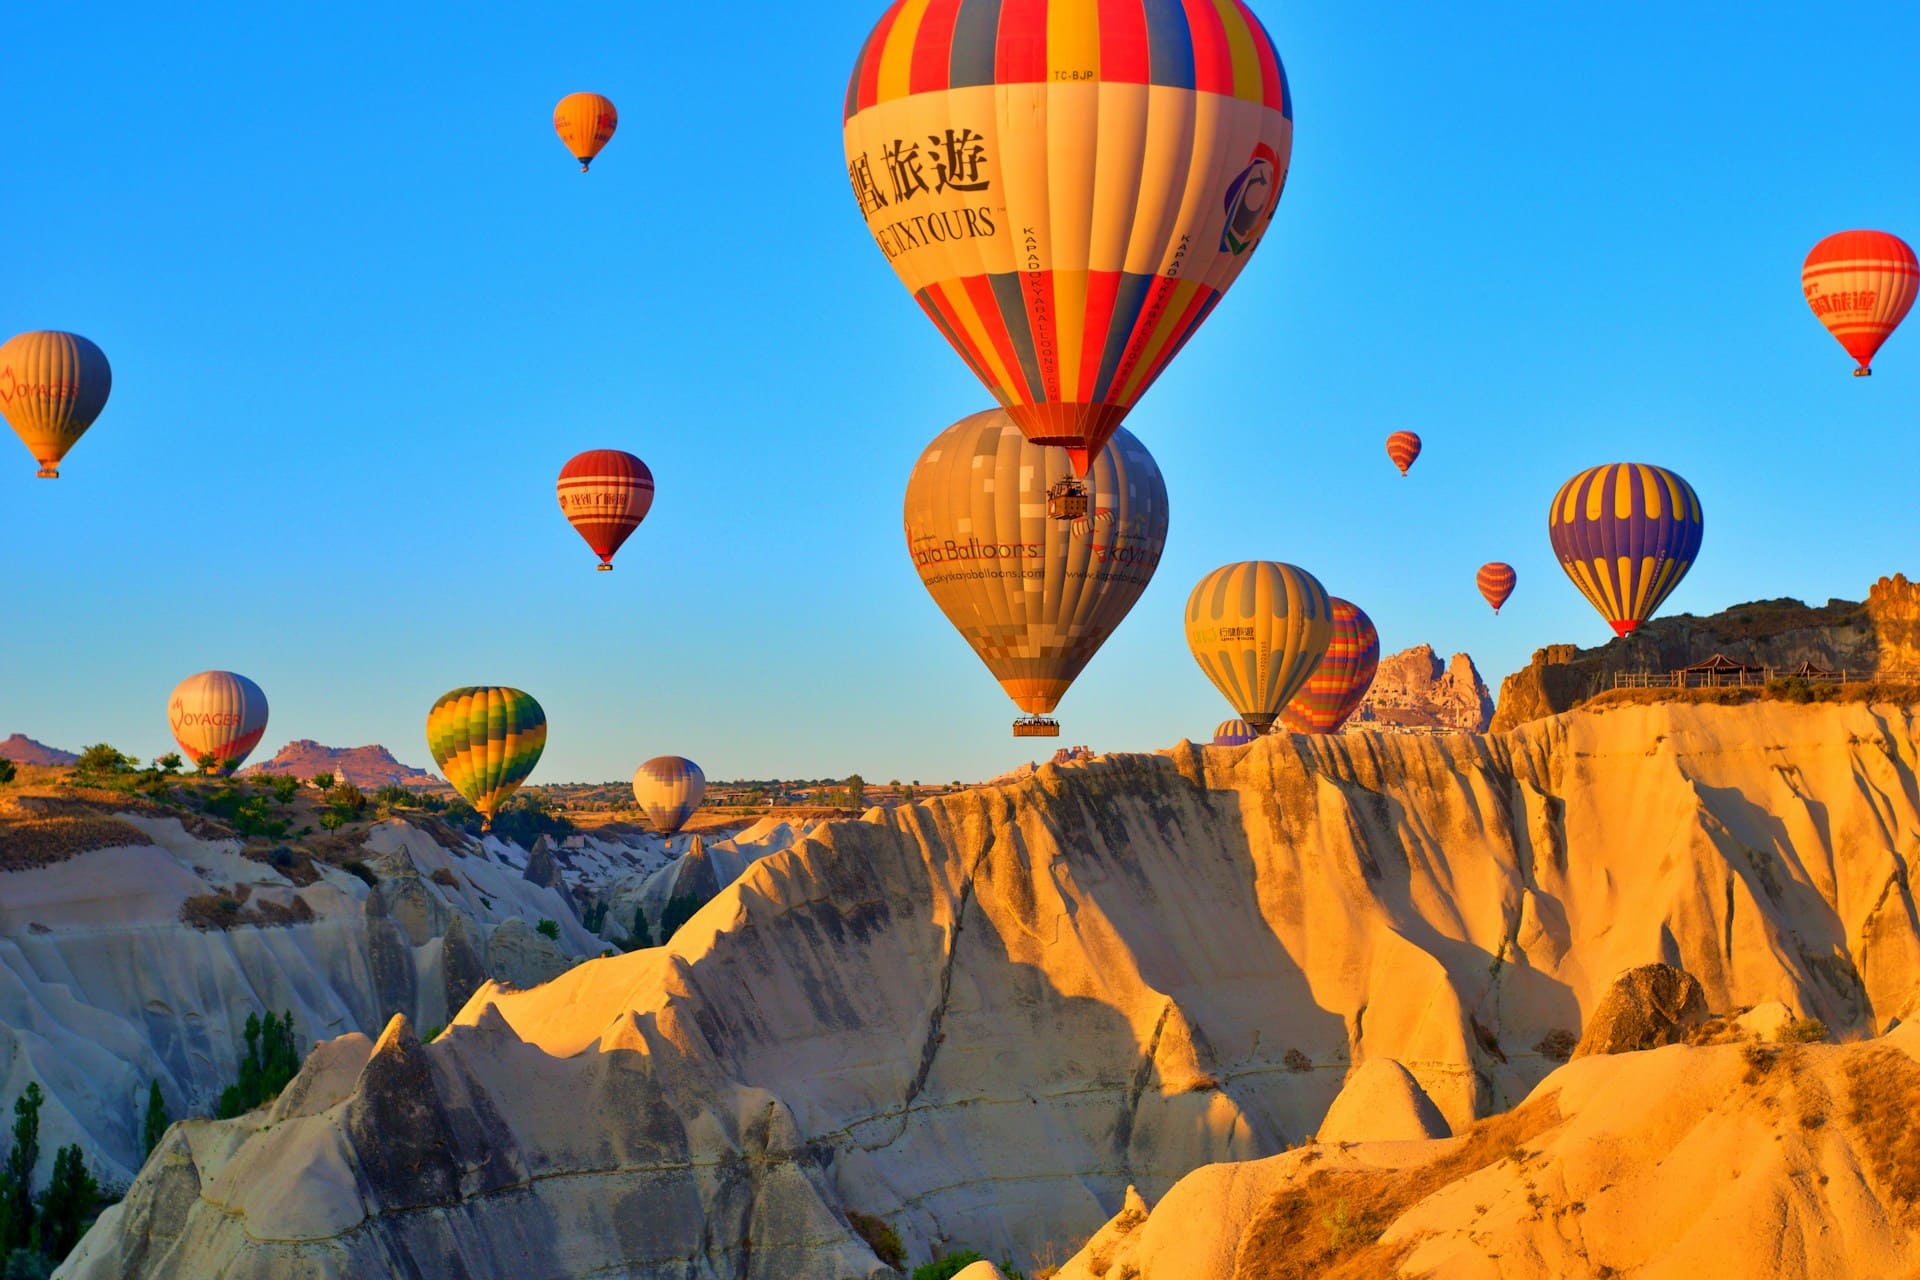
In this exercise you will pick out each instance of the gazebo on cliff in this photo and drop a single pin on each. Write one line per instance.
(1719, 670)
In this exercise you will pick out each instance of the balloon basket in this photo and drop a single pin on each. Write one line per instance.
(1036, 727)
(603, 568)
(48, 473)
(1067, 500)
(1863, 372)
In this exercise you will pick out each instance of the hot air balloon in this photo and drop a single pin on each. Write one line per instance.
(1234, 733)
(1340, 682)
(1626, 533)
(669, 789)
(1036, 598)
(52, 386)
(486, 739)
(218, 714)
(1258, 629)
(1067, 188)
(585, 122)
(605, 494)
(1403, 447)
(1496, 581)
(1861, 284)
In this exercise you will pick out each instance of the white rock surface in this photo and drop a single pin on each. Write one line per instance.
(1382, 1102)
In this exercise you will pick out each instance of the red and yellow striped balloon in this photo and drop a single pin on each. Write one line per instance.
(585, 122)
(1403, 447)
(1340, 682)
(1067, 187)
(605, 494)
(1496, 582)
(52, 386)
(1861, 284)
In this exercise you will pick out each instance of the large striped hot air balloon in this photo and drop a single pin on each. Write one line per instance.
(585, 122)
(52, 386)
(1258, 629)
(219, 714)
(1234, 733)
(1496, 582)
(1403, 447)
(1340, 682)
(605, 494)
(1068, 187)
(487, 740)
(1036, 598)
(1626, 533)
(669, 789)
(1861, 284)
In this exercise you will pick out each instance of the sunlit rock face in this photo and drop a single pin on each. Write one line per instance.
(983, 1017)
(1413, 690)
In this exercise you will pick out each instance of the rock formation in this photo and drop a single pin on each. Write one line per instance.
(24, 750)
(1647, 1007)
(368, 768)
(984, 1017)
(1412, 691)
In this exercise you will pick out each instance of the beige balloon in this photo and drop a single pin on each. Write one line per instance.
(52, 386)
(1258, 629)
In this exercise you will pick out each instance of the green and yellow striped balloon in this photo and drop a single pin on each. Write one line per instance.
(1258, 629)
(486, 739)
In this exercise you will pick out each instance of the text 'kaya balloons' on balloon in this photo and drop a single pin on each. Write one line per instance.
(52, 386)
(1626, 533)
(217, 714)
(1340, 682)
(1036, 598)
(668, 790)
(605, 494)
(1258, 629)
(1067, 188)
(487, 740)
(585, 123)
(1861, 284)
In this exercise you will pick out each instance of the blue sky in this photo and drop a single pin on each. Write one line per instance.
(360, 307)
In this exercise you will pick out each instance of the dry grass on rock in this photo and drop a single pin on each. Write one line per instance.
(1883, 1096)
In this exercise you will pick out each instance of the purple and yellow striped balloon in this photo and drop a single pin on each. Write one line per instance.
(1234, 733)
(1339, 684)
(1626, 533)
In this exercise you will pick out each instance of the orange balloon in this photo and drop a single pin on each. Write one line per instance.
(1861, 285)
(1403, 447)
(1496, 582)
(585, 122)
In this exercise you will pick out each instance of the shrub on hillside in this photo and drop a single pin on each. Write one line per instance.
(7, 772)
(881, 1238)
(101, 760)
(1802, 1031)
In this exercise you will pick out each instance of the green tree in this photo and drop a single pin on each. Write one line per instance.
(272, 1060)
(549, 929)
(7, 772)
(207, 762)
(945, 1268)
(323, 782)
(642, 935)
(680, 909)
(856, 791)
(71, 1203)
(27, 1264)
(170, 763)
(19, 1209)
(101, 759)
(285, 788)
(155, 1126)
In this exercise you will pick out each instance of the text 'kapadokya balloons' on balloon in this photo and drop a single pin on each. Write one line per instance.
(1403, 447)
(1068, 188)
(1496, 582)
(1036, 598)
(1234, 733)
(218, 718)
(1258, 629)
(487, 740)
(585, 123)
(1626, 533)
(1340, 680)
(52, 386)
(605, 494)
(669, 789)
(1861, 284)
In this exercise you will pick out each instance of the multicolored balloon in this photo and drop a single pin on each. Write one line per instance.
(669, 789)
(1234, 733)
(1036, 598)
(1861, 284)
(972, 130)
(219, 714)
(1626, 533)
(487, 740)
(1340, 682)
(1403, 447)
(1258, 629)
(585, 122)
(52, 386)
(1496, 583)
(605, 494)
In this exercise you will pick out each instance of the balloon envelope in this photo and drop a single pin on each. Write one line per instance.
(487, 740)
(669, 789)
(219, 714)
(52, 386)
(1340, 682)
(605, 494)
(1403, 447)
(1068, 188)
(1258, 629)
(1626, 533)
(1496, 582)
(1036, 598)
(585, 122)
(1861, 284)
(1234, 733)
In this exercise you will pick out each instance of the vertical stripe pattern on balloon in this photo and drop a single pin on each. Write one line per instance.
(487, 740)
(1340, 681)
(220, 714)
(1258, 629)
(1234, 733)
(52, 386)
(1626, 533)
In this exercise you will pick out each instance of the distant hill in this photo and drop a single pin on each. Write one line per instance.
(364, 767)
(24, 750)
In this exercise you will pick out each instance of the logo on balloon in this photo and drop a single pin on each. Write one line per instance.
(1250, 200)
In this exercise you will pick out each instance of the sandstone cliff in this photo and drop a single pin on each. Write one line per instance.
(368, 768)
(983, 1017)
(24, 750)
(1413, 691)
